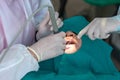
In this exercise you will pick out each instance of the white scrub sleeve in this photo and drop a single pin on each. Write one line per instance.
(41, 14)
(17, 63)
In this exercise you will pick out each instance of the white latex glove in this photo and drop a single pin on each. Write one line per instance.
(50, 46)
(46, 28)
(102, 27)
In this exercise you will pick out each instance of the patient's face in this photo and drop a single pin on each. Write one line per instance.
(72, 42)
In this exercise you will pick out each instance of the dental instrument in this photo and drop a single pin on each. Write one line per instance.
(82, 32)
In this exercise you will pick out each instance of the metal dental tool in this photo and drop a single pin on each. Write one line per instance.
(52, 17)
(53, 20)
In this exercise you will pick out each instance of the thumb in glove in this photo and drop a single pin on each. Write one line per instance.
(46, 28)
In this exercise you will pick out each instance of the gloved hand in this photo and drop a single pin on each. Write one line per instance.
(101, 27)
(46, 28)
(50, 46)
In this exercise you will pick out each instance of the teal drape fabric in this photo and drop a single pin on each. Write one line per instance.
(102, 2)
(91, 62)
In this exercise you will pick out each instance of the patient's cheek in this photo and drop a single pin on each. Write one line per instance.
(72, 48)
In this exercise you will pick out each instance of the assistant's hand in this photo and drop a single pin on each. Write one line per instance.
(50, 46)
(101, 27)
(46, 28)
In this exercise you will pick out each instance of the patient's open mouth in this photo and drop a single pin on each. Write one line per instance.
(72, 42)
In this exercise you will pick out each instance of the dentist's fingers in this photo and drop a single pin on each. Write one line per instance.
(96, 34)
(92, 30)
(59, 24)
